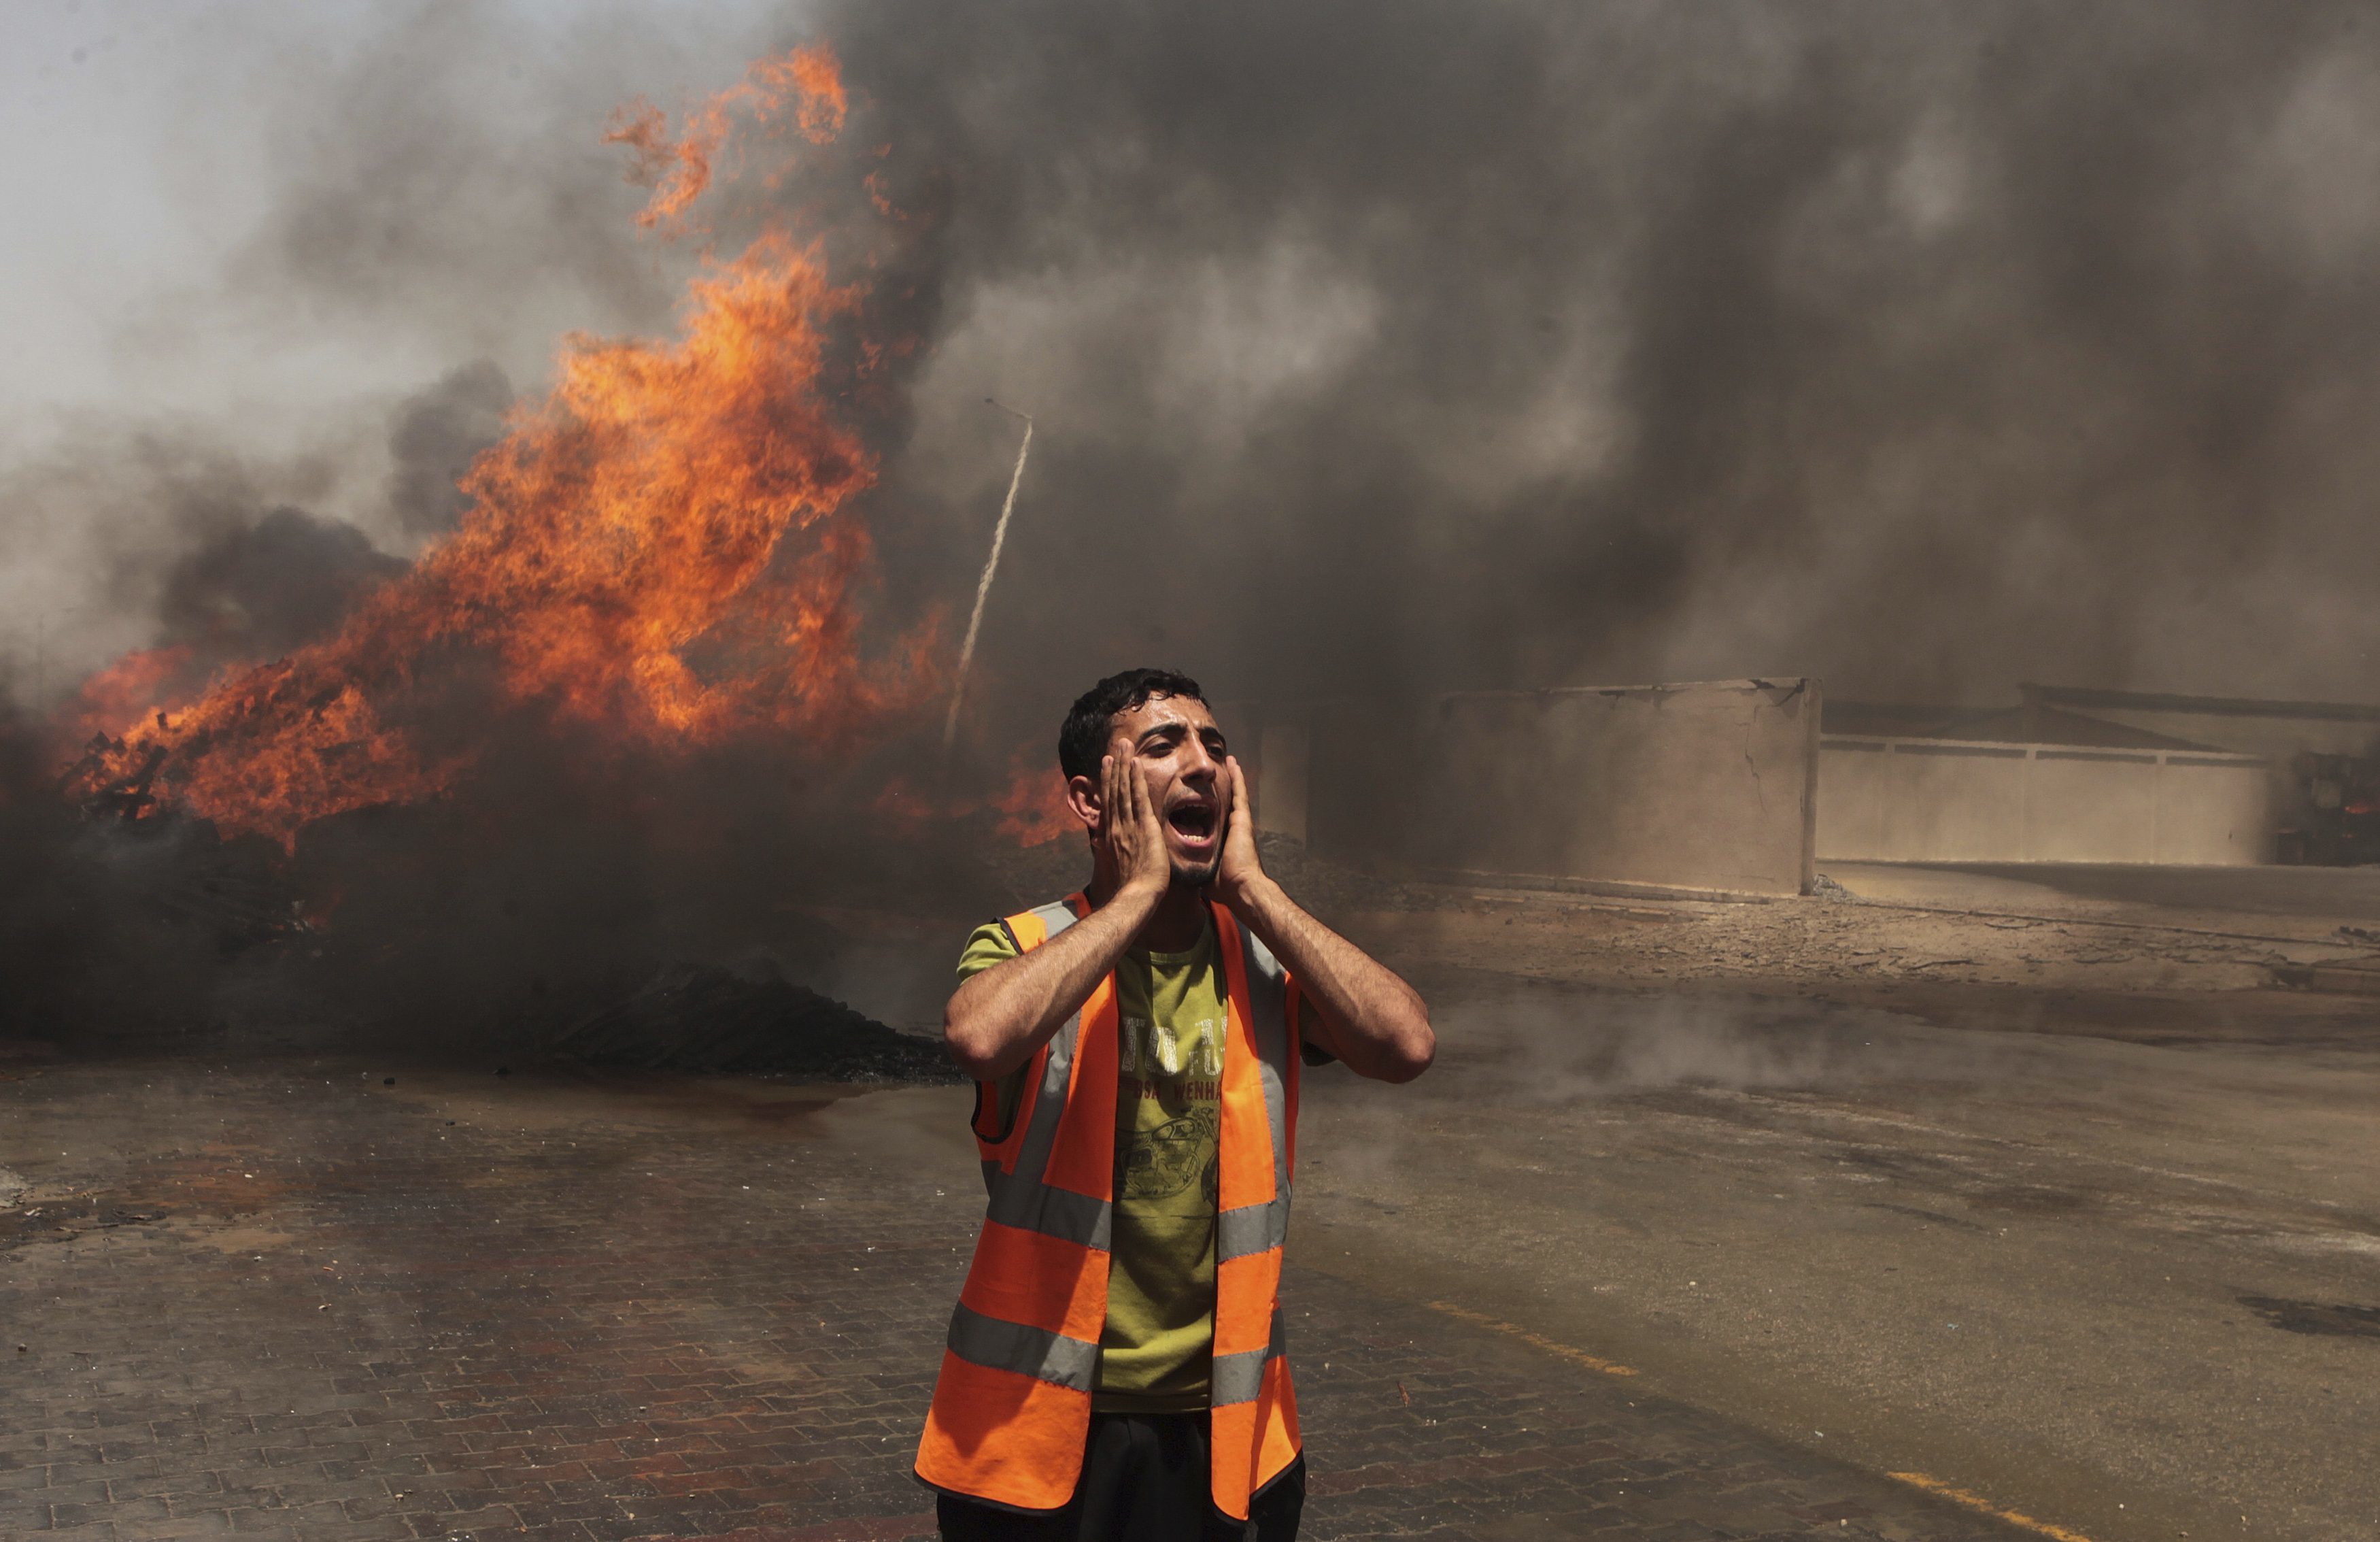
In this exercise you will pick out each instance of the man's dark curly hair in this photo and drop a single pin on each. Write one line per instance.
(1084, 741)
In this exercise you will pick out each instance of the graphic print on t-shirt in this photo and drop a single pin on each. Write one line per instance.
(1166, 1160)
(1153, 1049)
(1172, 1071)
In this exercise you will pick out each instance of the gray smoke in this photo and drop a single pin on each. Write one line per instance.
(447, 180)
(259, 590)
(432, 442)
(1925, 348)
(190, 543)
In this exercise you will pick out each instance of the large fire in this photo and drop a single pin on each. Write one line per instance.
(663, 550)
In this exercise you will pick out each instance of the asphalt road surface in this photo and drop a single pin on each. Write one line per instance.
(2127, 1290)
(1677, 1261)
(305, 1298)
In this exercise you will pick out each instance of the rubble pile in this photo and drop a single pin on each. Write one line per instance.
(708, 1020)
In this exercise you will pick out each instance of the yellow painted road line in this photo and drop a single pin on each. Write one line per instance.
(1916, 1480)
(1534, 1341)
(1978, 1503)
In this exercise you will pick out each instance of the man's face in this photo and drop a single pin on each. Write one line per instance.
(1174, 742)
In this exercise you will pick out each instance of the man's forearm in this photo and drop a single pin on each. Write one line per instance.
(1001, 1016)
(1379, 1025)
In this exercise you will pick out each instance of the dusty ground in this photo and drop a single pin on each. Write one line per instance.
(2044, 1193)
(2045, 1185)
(2134, 1288)
(309, 1298)
(1881, 925)
(2075, 928)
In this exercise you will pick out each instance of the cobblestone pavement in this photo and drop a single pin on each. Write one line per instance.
(295, 1300)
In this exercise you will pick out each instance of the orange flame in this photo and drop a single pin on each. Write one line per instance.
(807, 80)
(109, 698)
(626, 561)
(1033, 807)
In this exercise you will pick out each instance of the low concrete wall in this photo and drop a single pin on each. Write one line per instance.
(2272, 732)
(1684, 786)
(1938, 800)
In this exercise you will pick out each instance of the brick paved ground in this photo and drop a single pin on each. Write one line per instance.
(287, 1300)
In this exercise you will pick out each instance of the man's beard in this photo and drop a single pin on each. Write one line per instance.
(1196, 875)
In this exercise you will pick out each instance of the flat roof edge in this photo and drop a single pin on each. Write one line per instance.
(2187, 752)
(1787, 682)
(2211, 706)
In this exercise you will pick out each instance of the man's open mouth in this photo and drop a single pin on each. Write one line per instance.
(1192, 821)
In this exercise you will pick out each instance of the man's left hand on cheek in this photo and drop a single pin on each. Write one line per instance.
(1239, 870)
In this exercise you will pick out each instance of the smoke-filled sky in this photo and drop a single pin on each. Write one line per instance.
(1923, 348)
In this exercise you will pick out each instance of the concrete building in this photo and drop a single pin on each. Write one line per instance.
(2278, 732)
(2032, 784)
(1731, 786)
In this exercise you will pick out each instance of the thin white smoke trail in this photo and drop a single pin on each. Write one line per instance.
(983, 585)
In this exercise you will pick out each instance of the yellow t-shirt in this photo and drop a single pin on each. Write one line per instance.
(1157, 1348)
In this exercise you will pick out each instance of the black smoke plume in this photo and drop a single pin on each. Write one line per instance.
(1923, 348)
(258, 590)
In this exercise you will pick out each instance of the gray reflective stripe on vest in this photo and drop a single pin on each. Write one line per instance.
(1020, 1198)
(1252, 1228)
(1239, 1377)
(1082, 1218)
(1034, 1352)
(1056, 917)
(1260, 1228)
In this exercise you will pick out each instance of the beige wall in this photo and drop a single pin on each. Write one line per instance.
(1695, 786)
(2211, 810)
(2276, 738)
(1917, 800)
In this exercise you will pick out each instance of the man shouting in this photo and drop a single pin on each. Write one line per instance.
(1114, 1368)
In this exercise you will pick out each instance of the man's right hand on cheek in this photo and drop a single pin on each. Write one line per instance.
(1130, 833)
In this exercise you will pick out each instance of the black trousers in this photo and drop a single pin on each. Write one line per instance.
(1143, 1480)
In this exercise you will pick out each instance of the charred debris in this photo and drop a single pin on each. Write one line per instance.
(207, 924)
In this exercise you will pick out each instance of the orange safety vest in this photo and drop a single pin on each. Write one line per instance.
(1012, 1408)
